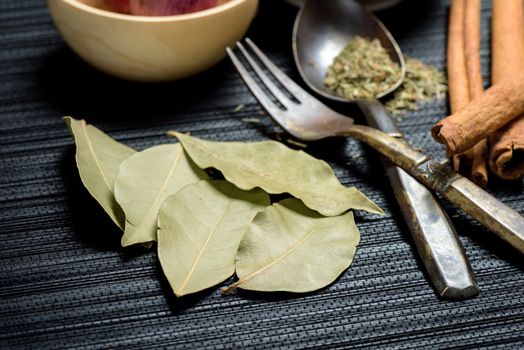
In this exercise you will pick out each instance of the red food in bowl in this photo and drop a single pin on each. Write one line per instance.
(121, 6)
(159, 7)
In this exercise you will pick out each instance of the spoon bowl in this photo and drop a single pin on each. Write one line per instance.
(323, 29)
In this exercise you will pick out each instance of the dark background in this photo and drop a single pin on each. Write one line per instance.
(66, 283)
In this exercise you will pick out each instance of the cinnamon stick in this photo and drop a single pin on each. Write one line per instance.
(456, 68)
(507, 153)
(456, 56)
(465, 79)
(494, 108)
(479, 171)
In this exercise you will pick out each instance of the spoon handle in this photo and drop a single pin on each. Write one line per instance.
(430, 227)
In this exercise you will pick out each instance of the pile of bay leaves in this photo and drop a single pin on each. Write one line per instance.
(208, 229)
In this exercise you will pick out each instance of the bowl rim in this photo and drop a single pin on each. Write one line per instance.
(133, 18)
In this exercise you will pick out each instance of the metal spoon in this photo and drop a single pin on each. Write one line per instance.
(322, 29)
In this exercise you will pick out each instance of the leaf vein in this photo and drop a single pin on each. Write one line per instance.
(168, 177)
(272, 263)
(92, 151)
(300, 193)
(203, 248)
(237, 165)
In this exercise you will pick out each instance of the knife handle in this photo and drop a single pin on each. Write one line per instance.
(434, 236)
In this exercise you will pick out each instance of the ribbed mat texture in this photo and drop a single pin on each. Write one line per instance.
(65, 283)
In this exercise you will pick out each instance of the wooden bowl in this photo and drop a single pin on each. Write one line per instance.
(151, 48)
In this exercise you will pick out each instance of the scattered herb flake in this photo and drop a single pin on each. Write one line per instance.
(423, 82)
(251, 120)
(239, 108)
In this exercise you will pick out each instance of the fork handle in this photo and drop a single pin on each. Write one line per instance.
(505, 222)
(433, 234)
(479, 204)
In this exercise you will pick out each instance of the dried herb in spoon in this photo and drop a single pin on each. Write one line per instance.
(364, 69)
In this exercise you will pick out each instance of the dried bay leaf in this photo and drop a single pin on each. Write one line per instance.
(98, 158)
(278, 169)
(200, 229)
(144, 181)
(289, 247)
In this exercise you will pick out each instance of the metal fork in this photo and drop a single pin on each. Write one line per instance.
(308, 119)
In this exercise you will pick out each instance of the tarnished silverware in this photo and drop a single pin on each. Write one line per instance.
(308, 119)
(322, 30)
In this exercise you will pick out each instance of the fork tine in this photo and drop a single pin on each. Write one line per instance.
(275, 90)
(259, 94)
(295, 89)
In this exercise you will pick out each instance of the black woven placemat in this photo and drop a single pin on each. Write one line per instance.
(66, 283)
